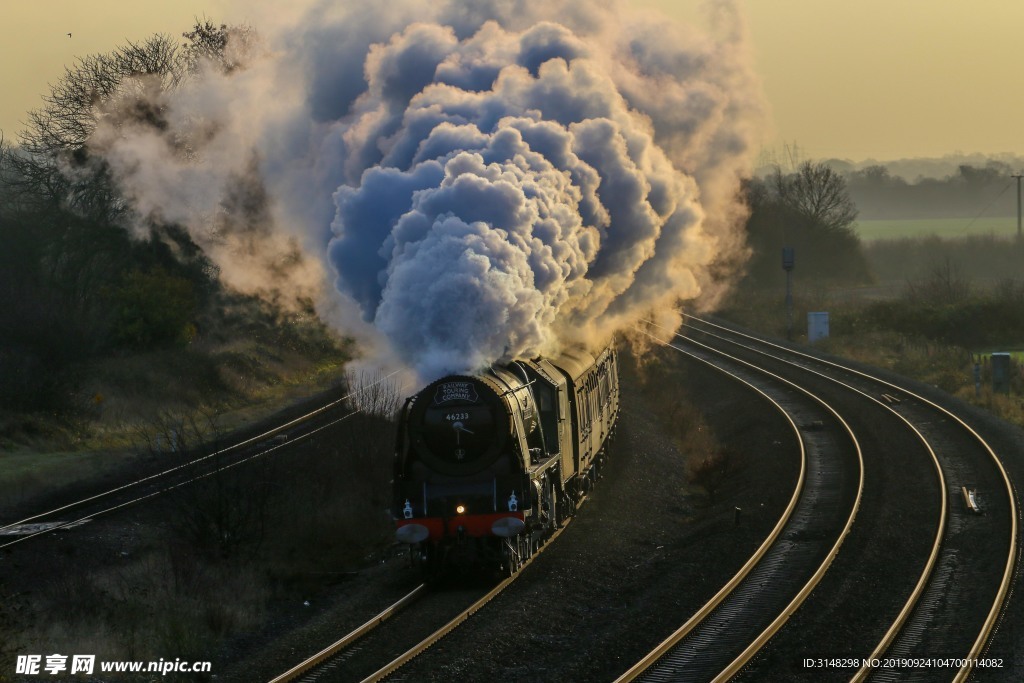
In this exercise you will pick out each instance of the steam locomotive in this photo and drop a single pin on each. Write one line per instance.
(487, 466)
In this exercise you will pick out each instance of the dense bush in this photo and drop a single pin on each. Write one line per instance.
(975, 257)
(152, 309)
(75, 290)
(975, 320)
(78, 285)
(810, 211)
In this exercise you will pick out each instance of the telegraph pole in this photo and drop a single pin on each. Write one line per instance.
(1018, 177)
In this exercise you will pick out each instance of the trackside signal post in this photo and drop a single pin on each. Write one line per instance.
(788, 262)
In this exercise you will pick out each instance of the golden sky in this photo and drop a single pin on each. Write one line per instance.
(880, 79)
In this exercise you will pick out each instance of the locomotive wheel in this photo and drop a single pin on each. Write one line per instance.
(425, 559)
(568, 508)
(512, 556)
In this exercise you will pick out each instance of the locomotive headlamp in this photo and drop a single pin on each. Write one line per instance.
(460, 509)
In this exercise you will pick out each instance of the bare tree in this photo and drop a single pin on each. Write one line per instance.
(945, 284)
(177, 433)
(222, 510)
(226, 47)
(374, 393)
(120, 88)
(817, 192)
(127, 87)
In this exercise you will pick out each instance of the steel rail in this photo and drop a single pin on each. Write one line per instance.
(933, 557)
(738, 663)
(679, 634)
(268, 434)
(426, 643)
(347, 641)
(158, 492)
(1003, 591)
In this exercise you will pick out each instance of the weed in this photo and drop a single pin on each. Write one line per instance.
(932, 331)
(707, 464)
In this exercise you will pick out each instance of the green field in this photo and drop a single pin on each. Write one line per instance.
(943, 227)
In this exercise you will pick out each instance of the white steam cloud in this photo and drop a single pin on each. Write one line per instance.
(463, 182)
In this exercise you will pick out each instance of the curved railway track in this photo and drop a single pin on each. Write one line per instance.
(880, 489)
(80, 511)
(731, 627)
(878, 492)
(948, 615)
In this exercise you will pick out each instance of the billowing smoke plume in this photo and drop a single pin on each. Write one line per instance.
(473, 181)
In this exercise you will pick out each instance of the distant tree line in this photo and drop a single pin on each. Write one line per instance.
(971, 191)
(814, 208)
(75, 284)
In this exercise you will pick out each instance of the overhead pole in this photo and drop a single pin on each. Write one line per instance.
(1018, 176)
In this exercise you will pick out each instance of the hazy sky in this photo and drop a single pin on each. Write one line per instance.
(870, 79)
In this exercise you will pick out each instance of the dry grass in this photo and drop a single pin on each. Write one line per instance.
(856, 335)
(147, 607)
(239, 383)
(130, 404)
(24, 474)
(1004, 406)
(707, 464)
(280, 527)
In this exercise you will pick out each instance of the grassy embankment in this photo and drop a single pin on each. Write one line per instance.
(123, 407)
(944, 305)
(708, 463)
(195, 572)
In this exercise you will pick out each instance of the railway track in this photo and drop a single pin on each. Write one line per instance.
(854, 586)
(948, 612)
(217, 459)
(328, 659)
(726, 632)
(343, 660)
(896, 463)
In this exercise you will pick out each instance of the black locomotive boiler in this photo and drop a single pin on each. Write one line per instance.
(488, 465)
